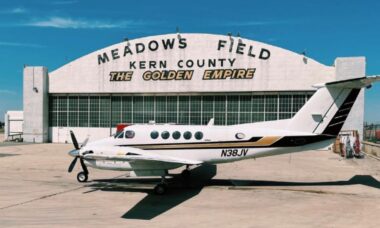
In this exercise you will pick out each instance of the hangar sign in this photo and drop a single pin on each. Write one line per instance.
(216, 68)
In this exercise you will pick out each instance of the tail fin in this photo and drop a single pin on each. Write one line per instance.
(327, 110)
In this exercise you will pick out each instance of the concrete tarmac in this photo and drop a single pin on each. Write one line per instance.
(311, 189)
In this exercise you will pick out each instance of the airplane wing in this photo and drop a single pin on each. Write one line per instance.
(131, 157)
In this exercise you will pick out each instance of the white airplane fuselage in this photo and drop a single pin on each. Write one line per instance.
(218, 144)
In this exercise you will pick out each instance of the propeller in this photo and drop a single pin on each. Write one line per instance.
(75, 153)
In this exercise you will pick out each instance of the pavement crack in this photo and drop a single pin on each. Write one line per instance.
(294, 190)
(41, 198)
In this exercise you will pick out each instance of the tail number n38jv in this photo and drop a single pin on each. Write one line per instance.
(234, 153)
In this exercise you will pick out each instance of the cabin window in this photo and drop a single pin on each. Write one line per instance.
(198, 135)
(120, 135)
(187, 135)
(176, 135)
(165, 135)
(154, 134)
(129, 134)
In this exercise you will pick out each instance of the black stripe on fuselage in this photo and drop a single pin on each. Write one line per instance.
(292, 141)
(285, 141)
(336, 123)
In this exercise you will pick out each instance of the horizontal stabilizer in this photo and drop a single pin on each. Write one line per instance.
(355, 83)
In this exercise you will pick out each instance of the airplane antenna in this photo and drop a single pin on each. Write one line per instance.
(211, 122)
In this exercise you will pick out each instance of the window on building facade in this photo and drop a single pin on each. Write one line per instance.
(107, 111)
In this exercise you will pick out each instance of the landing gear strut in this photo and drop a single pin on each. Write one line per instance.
(161, 188)
(186, 173)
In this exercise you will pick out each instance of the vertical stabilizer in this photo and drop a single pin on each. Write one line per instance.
(328, 108)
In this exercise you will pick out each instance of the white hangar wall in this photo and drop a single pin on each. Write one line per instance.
(232, 65)
(283, 70)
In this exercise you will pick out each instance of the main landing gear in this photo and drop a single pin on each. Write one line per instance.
(186, 173)
(162, 187)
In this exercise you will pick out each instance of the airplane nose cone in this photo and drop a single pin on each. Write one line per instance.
(74, 153)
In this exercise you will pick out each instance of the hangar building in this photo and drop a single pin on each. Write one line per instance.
(175, 78)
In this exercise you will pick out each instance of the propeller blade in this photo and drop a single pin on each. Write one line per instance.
(75, 142)
(85, 170)
(71, 167)
(85, 142)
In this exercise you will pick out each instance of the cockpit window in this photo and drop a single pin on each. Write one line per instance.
(120, 135)
(129, 134)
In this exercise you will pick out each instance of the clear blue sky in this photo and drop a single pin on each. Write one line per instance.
(52, 32)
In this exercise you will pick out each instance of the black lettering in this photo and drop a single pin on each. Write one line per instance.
(140, 47)
(250, 52)
(189, 63)
(212, 62)
(168, 43)
(232, 45)
(221, 44)
(153, 45)
(200, 63)
(264, 54)
(221, 62)
(127, 50)
(132, 65)
(115, 53)
(142, 64)
(180, 63)
(162, 64)
(182, 43)
(231, 62)
(152, 64)
(240, 48)
(224, 153)
(103, 58)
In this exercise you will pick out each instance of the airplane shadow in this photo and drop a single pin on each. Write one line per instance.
(153, 205)
(179, 191)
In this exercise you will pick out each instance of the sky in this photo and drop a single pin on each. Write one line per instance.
(53, 32)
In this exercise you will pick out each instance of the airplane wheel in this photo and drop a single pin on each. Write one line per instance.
(186, 174)
(160, 189)
(82, 177)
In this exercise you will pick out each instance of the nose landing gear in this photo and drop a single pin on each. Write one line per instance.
(82, 177)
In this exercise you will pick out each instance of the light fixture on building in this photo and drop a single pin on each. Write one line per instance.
(304, 56)
(177, 31)
(239, 38)
(230, 35)
(126, 40)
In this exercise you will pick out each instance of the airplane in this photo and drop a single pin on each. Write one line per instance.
(154, 149)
